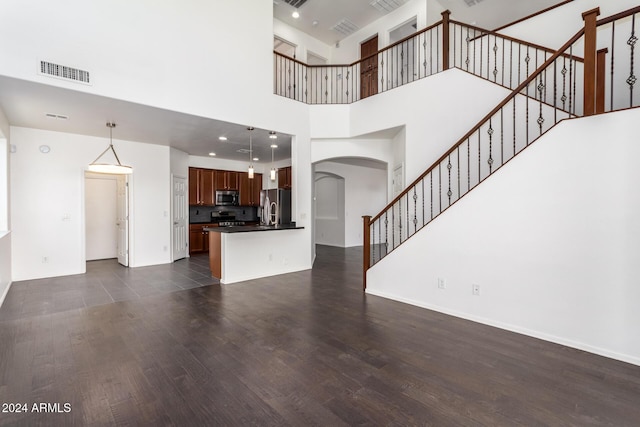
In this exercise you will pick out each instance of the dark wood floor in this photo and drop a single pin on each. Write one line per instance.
(168, 346)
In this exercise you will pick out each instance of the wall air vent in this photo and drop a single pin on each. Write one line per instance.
(64, 72)
(386, 6)
(295, 3)
(345, 27)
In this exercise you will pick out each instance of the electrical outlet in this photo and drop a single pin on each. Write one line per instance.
(441, 283)
(475, 289)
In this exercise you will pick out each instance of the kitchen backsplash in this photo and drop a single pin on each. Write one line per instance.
(200, 214)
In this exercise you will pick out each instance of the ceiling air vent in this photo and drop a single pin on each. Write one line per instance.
(64, 72)
(386, 6)
(472, 2)
(345, 27)
(295, 3)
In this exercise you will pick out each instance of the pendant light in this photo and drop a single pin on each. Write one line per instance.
(111, 168)
(272, 174)
(250, 129)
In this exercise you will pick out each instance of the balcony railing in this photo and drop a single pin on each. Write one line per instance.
(500, 59)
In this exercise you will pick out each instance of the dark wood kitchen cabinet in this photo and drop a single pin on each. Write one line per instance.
(284, 178)
(199, 238)
(201, 187)
(250, 189)
(226, 180)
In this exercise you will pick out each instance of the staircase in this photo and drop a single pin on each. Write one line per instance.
(577, 80)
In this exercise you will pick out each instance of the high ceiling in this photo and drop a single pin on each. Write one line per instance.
(26, 103)
(326, 14)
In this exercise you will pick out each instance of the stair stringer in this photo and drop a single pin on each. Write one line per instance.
(552, 239)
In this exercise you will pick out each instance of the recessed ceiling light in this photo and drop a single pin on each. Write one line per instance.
(212, 154)
(315, 23)
(295, 14)
(255, 159)
(272, 135)
(274, 146)
(222, 138)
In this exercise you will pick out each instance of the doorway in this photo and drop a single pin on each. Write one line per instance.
(106, 217)
(369, 67)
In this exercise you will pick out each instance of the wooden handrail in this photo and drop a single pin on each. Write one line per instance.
(617, 16)
(533, 15)
(473, 130)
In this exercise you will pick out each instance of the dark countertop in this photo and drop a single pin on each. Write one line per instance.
(251, 228)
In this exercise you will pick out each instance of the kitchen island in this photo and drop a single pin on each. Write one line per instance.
(248, 252)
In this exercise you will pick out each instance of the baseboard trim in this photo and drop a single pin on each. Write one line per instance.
(513, 328)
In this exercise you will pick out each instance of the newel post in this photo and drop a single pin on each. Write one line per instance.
(445, 39)
(366, 250)
(590, 64)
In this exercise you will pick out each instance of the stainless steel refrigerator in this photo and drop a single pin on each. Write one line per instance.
(275, 206)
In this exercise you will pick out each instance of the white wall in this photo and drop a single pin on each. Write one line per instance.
(365, 194)
(179, 161)
(47, 202)
(565, 21)
(552, 239)
(424, 108)
(304, 43)
(349, 50)
(100, 216)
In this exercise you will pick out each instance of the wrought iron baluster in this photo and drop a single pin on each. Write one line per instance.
(430, 52)
(449, 166)
(479, 158)
(503, 62)
(400, 219)
(570, 79)
(511, 65)
(613, 38)
(439, 188)
(540, 118)
(431, 177)
(437, 49)
(526, 60)
(481, 57)
(563, 98)
(632, 79)
(519, 64)
(490, 132)
(514, 125)
(372, 227)
(422, 182)
(468, 164)
(555, 91)
(502, 136)
(393, 228)
(386, 232)
(495, 59)
(468, 41)
(458, 154)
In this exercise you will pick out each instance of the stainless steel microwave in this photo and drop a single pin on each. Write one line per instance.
(227, 198)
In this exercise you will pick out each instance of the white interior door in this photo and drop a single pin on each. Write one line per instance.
(398, 180)
(179, 209)
(101, 217)
(122, 220)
